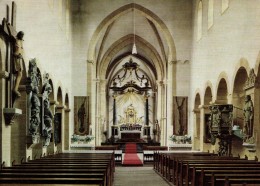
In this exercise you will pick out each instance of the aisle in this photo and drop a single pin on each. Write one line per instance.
(137, 176)
(131, 157)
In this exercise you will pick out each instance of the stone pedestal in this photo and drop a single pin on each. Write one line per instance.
(11, 114)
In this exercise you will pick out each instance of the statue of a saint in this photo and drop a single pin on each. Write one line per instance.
(18, 61)
(81, 117)
(248, 116)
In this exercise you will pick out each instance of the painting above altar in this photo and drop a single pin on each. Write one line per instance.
(130, 121)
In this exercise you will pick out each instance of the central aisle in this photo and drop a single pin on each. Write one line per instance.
(137, 176)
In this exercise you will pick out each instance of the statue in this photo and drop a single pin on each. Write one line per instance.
(32, 88)
(48, 116)
(18, 61)
(248, 116)
(81, 117)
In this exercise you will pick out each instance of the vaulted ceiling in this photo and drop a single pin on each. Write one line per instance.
(111, 44)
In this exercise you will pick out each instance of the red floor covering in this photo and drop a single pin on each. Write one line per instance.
(131, 158)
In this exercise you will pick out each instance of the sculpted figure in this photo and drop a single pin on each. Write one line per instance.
(81, 117)
(248, 116)
(35, 115)
(34, 101)
(18, 61)
(48, 116)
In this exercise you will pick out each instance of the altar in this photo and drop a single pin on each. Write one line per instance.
(130, 127)
(130, 136)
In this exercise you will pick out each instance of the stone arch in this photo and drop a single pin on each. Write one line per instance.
(238, 95)
(59, 96)
(208, 94)
(123, 10)
(222, 89)
(67, 100)
(123, 42)
(257, 65)
(243, 63)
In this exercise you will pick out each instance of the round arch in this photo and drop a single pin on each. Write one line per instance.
(222, 89)
(208, 93)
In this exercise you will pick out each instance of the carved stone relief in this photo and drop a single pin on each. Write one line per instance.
(32, 88)
(47, 113)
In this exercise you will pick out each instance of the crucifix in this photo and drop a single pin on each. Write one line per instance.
(16, 60)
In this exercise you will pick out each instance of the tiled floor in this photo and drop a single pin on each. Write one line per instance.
(137, 176)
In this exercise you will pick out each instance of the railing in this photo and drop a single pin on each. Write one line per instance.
(131, 127)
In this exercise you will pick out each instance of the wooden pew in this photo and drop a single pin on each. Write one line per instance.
(180, 164)
(198, 176)
(62, 169)
(235, 179)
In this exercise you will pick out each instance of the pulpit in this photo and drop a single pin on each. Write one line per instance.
(221, 127)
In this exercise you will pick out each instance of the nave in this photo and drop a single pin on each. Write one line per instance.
(138, 176)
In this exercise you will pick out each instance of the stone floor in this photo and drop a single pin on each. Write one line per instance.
(138, 176)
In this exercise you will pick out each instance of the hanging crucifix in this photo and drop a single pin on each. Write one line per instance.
(180, 115)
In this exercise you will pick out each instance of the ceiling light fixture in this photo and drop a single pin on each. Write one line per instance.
(134, 50)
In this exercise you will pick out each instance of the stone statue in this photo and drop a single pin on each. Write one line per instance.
(35, 115)
(81, 117)
(48, 116)
(18, 61)
(248, 116)
(33, 81)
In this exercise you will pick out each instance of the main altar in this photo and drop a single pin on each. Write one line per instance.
(130, 126)
(131, 101)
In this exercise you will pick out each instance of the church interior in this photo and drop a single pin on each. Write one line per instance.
(126, 86)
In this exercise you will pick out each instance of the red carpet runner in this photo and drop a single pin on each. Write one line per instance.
(131, 158)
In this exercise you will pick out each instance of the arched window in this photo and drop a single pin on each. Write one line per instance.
(210, 13)
(225, 4)
(199, 21)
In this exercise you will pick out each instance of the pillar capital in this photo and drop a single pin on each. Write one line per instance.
(90, 61)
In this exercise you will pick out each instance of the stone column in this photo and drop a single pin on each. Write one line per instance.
(5, 130)
(196, 129)
(91, 92)
(161, 115)
(67, 135)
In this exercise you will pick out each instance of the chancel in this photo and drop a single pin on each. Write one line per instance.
(121, 92)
